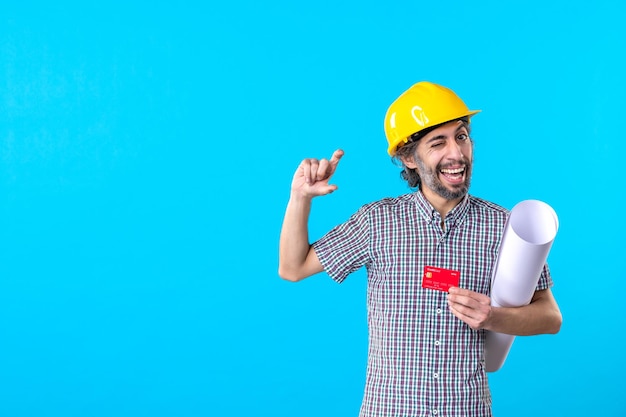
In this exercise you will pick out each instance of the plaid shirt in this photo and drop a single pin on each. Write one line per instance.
(423, 361)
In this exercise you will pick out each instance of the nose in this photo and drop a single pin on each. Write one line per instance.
(455, 150)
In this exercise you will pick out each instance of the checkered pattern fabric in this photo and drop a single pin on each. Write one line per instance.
(422, 361)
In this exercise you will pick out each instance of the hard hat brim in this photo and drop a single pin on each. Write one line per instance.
(393, 147)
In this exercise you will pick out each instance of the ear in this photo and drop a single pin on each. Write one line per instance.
(408, 161)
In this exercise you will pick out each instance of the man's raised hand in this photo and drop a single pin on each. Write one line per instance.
(312, 176)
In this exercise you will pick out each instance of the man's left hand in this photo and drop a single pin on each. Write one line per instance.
(471, 307)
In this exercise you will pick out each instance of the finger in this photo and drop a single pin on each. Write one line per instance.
(305, 166)
(323, 170)
(459, 314)
(462, 304)
(459, 294)
(334, 160)
(466, 316)
(468, 302)
(314, 163)
(477, 312)
(463, 312)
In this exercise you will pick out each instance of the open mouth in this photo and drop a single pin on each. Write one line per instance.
(453, 175)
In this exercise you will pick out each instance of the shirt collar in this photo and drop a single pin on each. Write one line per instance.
(454, 216)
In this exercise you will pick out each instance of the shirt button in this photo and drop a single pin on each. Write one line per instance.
(437, 342)
(438, 311)
(435, 412)
(435, 375)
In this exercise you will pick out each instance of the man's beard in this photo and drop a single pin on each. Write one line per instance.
(431, 180)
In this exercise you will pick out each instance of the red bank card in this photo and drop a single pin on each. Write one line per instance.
(440, 279)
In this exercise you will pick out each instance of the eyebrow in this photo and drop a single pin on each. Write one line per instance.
(440, 137)
(434, 138)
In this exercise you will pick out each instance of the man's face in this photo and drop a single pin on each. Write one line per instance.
(443, 159)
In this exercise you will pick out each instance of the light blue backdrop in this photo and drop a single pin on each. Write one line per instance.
(145, 160)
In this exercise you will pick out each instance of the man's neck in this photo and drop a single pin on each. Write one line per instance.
(442, 205)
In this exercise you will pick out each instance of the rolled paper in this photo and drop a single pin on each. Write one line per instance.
(526, 241)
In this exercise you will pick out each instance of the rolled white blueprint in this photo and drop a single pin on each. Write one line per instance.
(528, 236)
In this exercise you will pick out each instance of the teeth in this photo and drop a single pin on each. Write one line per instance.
(453, 171)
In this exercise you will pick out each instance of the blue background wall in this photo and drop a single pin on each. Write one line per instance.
(146, 154)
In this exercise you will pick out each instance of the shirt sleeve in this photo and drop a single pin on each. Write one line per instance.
(545, 279)
(345, 248)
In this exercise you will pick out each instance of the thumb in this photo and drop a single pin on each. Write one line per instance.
(328, 189)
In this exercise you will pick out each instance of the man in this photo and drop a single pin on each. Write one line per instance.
(426, 347)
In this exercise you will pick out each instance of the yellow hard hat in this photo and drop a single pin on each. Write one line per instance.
(422, 106)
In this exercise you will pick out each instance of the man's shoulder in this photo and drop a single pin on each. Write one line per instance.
(388, 208)
(390, 203)
(481, 204)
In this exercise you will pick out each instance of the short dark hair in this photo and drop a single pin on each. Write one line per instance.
(409, 174)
